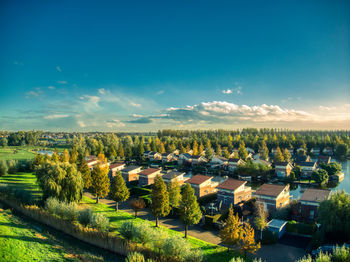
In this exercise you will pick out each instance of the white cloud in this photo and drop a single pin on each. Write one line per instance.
(114, 123)
(160, 92)
(134, 104)
(228, 91)
(237, 90)
(63, 82)
(81, 123)
(18, 63)
(55, 116)
(90, 102)
(51, 87)
(102, 91)
(58, 68)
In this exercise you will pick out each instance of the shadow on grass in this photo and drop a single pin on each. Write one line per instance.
(13, 225)
(27, 239)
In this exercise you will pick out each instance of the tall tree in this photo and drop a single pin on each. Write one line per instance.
(260, 219)
(231, 233)
(247, 241)
(65, 156)
(119, 191)
(160, 199)
(73, 155)
(264, 151)
(195, 148)
(242, 151)
(85, 173)
(218, 150)
(200, 149)
(100, 181)
(174, 194)
(278, 155)
(189, 208)
(121, 151)
(286, 155)
(209, 153)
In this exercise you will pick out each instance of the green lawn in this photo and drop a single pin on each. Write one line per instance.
(21, 152)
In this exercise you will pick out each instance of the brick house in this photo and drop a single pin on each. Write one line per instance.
(202, 185)
(130, 173)
(114, 168)
(234, 162)
(233, 191)
(273, 196)
(283, 169)
(310, 201)
(174, 176)
(147, 176)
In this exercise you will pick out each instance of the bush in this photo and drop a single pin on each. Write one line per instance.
(143, 233)
(323, 257)
(237, 259)
(159, 238)
(202, 201)
(3, 168)
(70, 211)
(305, 259)
(194, 255)
(85, 217)
(12, 166)
(135, 257)
(301, 228)
(51, 205)
(100, 222)
(341, 254)
(127, 230)
(177, 247)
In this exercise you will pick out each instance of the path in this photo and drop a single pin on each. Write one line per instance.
(269, 253)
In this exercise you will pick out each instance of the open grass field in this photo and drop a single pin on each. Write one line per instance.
(22, 240)
(21, 152)
(27, 181)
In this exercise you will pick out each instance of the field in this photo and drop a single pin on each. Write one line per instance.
(28, 181)
(21, 240)
(21, 152)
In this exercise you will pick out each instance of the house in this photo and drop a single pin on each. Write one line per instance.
(219, 160)
(146, 153)
(310, 201)
(327, 151)
(278, 226)
(174, 176)
(167, 157)
(290, 150)
(196, 160)
(324, 159)
(91, 163)
(315, 151)
(147, 176)
(130, 173)
(307, 168)
(176, 152)
(184, 158)
(234, 162)
(202, 185)
(301, 151)
(114, 168)
(283, 169)
(273, 196)
(233, 191)
(154, 156)
(261, 162)
(301, 158)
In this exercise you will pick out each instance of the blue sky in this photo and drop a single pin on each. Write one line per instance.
(146, 65)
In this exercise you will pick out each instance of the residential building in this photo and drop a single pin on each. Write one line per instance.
(219, 160)
(315, 151)
(261, 162)
(115, 167)
(234, 162)
(273, 196)
(154, 156)
(167, 157)
(196, 160)
(283, 169)
(184, 158)
(174, 176)
(147, 176)
(324, 159)
(310, 201)
(233, 191)
(130, 173)
(327, 151)
(307, 168)
(91, 163)
(202, 185)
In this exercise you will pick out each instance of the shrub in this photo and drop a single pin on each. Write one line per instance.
(85, 217)
(237, 259)
(3, 168)
(194, 255)
(323, 257)
(51, 205)
(12, 166)
(127, 230)
(305, 259)
(100, 222)
(177, 247)
(70, 211)
(341, 254)
(159, 238)
(135, 257)
(143, 233)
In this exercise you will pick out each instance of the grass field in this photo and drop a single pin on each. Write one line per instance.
(21, 152)
(21, 240)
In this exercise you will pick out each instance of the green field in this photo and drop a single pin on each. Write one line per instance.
(28, 181)
(21, 152)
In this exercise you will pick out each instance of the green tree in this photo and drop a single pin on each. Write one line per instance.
(3, 168)
(73, 155)
(65, 156)
(218, 150)
(100, 181)
(247, 241)
(264, 151)
(320, 176)
(195, 148)
(226, 153)
(209, 153)
(189, 208)
(160, 199)
(260, 219)
(231, 233)
(121, 151)
(174, 194)
(200, 149)
(278, 155)
(332, 168)
(119, 191)
(85, 173)
(341, 150)
(286, 155)
(242, 151)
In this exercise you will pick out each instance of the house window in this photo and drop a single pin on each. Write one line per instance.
(312, 214)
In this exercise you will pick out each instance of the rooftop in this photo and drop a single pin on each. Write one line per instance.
(315, 195)
(198, 179)
(114, 165)
(270, 190)
(173, 174)
(149, 171)
(130, 168)
(277, 223)
(231, 184)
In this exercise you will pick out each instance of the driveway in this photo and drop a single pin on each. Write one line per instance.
(280, 253)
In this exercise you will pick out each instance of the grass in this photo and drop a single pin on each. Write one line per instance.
(27, 181)
(21, 152)
(21, 240)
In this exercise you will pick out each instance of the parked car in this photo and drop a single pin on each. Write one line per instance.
(328, 248)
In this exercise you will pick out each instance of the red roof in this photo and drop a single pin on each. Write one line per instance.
(198, 179)
(111, 166)
(270, 190)
(231, 184)
(315, 195)
(149, 171)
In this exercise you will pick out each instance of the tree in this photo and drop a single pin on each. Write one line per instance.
(231, 233)
(334, 214)
(85, 173)
(260, 219)
(200, 149)
(320, 176)
(242, 151)
(209, 153)
(218, 150)
(100, 181)
(121, 151)
(174, 194)
(3, 142)
(137, 204)
(278, 155)
(264, 151)
(65, 156)
(341, 150)
(37, 161)
(247, 241)
(226, 153)
(3, 168)
(73, 155)
(55, 157)
(160, 199)
(189, 208)
(119, 191)
(286, 155)
(195, 148)
(332, 168)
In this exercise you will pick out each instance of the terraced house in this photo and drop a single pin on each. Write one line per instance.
(273, 196)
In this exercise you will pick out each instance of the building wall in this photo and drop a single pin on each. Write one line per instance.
(308, 212)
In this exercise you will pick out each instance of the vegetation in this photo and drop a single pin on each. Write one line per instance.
(100, 181)
(160, 199)
(119, 191)
(137, 204)
(174, 194)
(320, 176)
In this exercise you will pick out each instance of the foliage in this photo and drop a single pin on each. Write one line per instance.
(334, 216)
(137, 204)
(68, 211)
(242, 151)
(320, 176)
(247, 241)
(85, 216)
(341, 150)
(189, 208)
(60, 180)
(260, 220)
(237, 259)
(119, 191)
(3, 168)
(231, 233)
(100, 181)
(126, 230)
(332, 168)
(85, 173)
(174, 194)
(135, 257)
(100, 222)
(278, 155)
(176, 246)
(160, 199)
(143, 233)
(301, 228)
(341, 254)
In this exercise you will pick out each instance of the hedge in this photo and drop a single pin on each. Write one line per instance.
(300, 228)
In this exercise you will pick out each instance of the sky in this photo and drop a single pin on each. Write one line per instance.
(149, 65)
